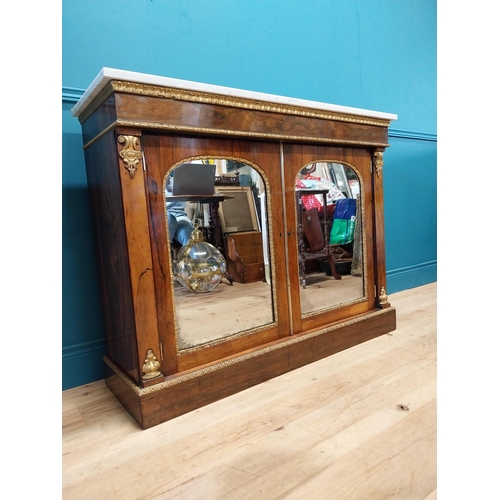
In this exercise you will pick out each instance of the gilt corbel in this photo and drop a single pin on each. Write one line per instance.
(130, 153)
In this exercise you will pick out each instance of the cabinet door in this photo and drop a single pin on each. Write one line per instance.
(319, 294)
(197, 328)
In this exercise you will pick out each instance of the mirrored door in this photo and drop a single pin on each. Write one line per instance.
(329, 213)
(239, 214)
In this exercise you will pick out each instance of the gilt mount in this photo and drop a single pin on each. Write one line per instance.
(383, 297)
(379, 161)
(150, 366)
(130, 154)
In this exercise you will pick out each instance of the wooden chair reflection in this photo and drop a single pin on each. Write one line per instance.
(314, 237)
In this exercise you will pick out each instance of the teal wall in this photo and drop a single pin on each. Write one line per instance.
(378, 55)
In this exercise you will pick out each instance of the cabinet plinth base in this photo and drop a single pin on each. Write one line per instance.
(188, 391)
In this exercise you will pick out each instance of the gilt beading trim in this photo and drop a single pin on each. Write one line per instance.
(231, 133)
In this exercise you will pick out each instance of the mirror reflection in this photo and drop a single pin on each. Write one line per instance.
(216, 215)
(330, 236)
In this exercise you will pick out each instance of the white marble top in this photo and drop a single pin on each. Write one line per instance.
(108, 74)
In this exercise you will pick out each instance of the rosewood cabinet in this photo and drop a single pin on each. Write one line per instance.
(169, 350)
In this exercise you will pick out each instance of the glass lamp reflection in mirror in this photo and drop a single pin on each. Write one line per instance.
(329, 202)
(199, 266)
(236, 214)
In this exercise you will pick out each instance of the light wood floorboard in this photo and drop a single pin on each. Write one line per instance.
(329, 430)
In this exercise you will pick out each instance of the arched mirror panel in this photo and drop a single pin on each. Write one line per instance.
(218, 236)
(330, 236)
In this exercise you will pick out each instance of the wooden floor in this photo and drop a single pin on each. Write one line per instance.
(359, 425)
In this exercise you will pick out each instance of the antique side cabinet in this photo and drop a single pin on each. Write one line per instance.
(169, 350)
